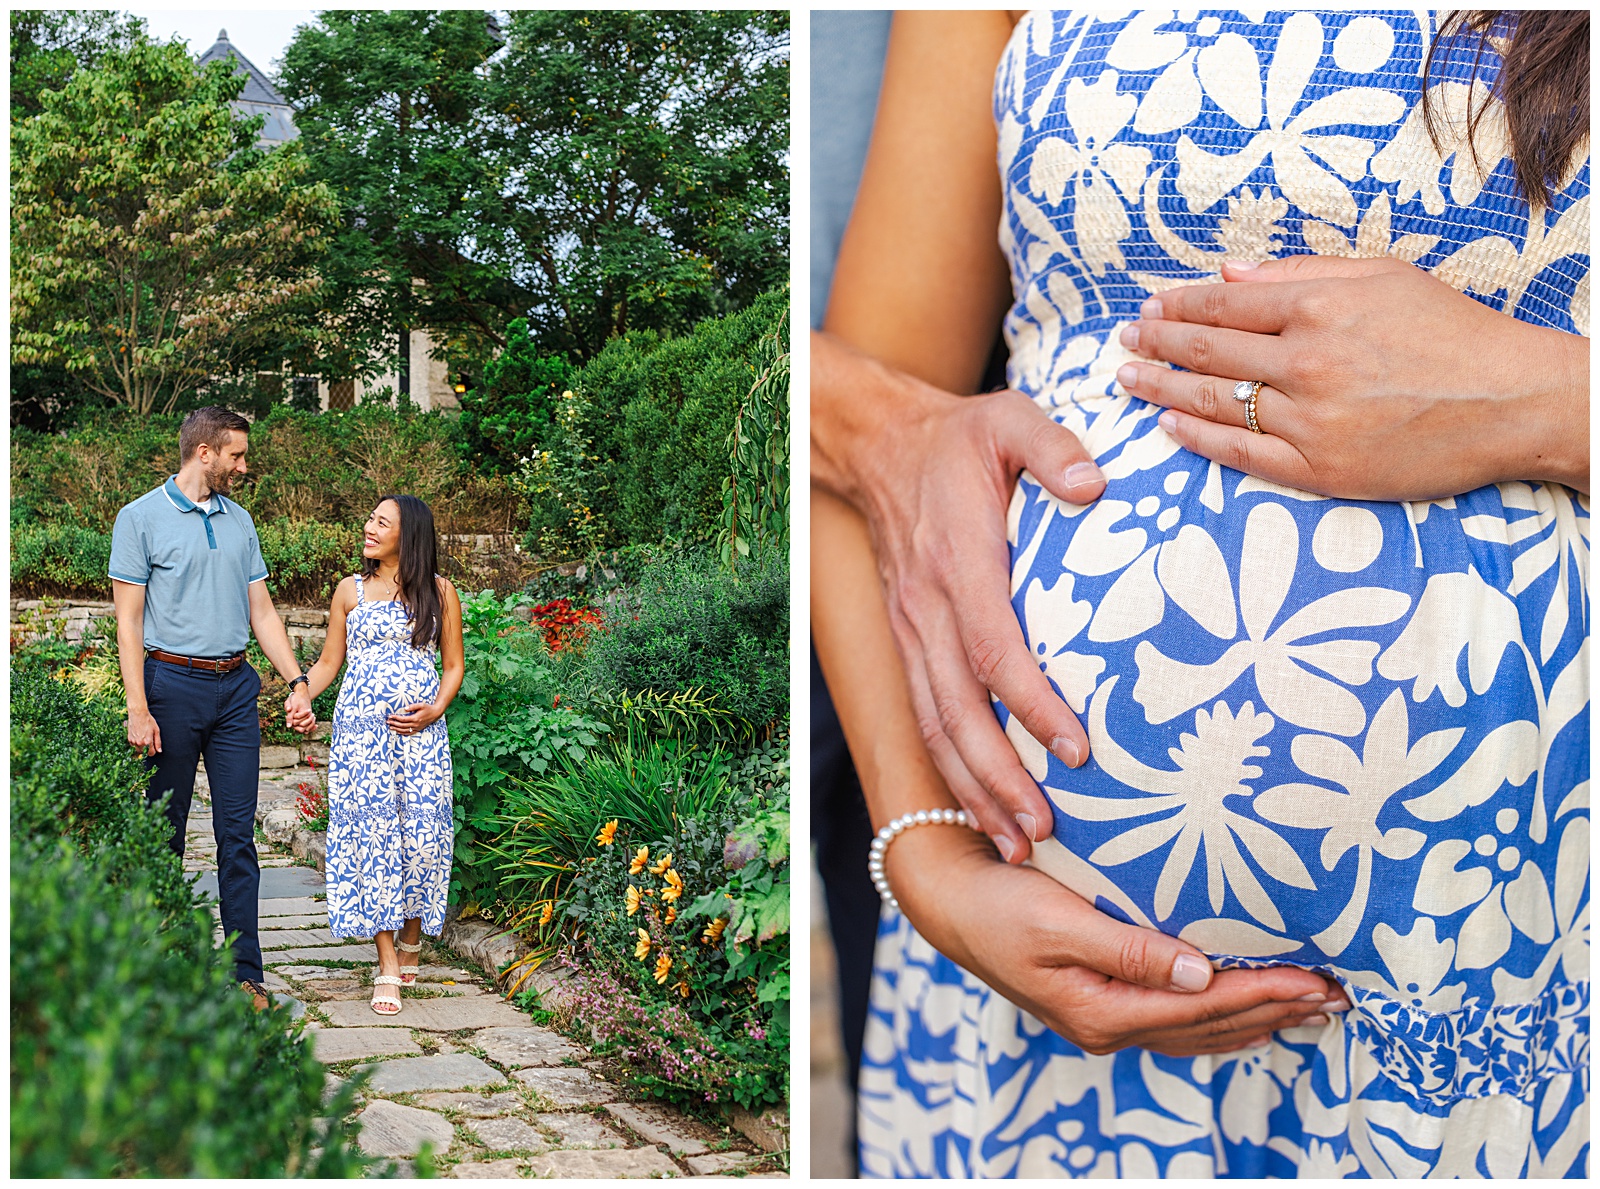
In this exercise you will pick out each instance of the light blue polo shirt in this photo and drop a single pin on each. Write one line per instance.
(196, 564)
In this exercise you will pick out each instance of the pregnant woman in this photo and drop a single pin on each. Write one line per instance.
(390, 829)
(1333, 734)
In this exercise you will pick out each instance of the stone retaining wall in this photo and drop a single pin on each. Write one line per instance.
(71, 619)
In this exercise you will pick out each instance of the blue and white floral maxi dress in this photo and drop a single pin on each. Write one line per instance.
(1351, 737)
(390, 826)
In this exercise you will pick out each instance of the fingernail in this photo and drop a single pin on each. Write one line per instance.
(1168, 421)
(1029, 826)
(1337, 1005)
(1004, 845)
(1243, 265)
(1151, 308)
(1082, 474)
(1128, 375)
(1130, 336)
(1314, 997)
(1316, 1021)
(1065, 750)
(1259, 1042)
(1190, 973)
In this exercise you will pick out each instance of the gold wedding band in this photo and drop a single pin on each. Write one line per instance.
(1246, 391)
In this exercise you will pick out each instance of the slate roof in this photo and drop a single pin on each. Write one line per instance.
(259, 96)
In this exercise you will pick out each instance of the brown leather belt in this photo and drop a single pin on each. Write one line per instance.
(195, 662)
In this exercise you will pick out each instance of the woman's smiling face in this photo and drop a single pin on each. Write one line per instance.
(381, 540)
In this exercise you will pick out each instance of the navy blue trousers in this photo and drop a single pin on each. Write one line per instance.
(214, 715)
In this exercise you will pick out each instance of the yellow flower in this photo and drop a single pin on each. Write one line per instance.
(663, 964)
(642, 950)
(682, 988)
(714, 930)
(633, 899)
(658, 868)
(608, 833)
(549, 911)
(639, 860)
(672, 914)
(674, 887)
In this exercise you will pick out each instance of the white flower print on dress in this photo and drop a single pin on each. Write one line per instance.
(1203, 177)
(1283, 662)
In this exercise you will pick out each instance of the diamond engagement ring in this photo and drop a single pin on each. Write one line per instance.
(1245, 392)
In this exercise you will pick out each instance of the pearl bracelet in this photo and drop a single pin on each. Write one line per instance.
(880, 844)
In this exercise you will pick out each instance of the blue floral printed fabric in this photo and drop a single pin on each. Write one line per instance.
(390, 829)
(1351, 737)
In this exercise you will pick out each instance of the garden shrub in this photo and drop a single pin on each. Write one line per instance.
(688, 626)
(60, 559)
(513, 412)
(640, 450)
(133, 1053)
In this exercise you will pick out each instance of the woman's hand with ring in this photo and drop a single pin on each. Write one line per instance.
(413, 718)
(1380, 381)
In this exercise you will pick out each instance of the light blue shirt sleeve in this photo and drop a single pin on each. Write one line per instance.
(130, 559)
(258, 564)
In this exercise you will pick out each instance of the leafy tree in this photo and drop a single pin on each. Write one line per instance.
(152, 246)
(592, 172)
(647, 154)
(389, 108)
(49, 45)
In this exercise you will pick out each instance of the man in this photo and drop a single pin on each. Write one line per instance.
(189, 585)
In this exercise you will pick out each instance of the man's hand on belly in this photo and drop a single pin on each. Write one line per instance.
(1102, 984)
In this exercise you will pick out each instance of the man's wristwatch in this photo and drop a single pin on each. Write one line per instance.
(297, 680)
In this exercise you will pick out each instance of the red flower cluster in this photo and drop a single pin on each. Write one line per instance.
(313, 799)
(565, 626)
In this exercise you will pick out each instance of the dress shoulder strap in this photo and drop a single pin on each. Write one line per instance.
(361, 590)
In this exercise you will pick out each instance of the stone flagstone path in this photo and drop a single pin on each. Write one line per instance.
(497, 1095)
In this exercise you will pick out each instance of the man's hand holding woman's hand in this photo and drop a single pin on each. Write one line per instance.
(1100, 983)
(297, 710)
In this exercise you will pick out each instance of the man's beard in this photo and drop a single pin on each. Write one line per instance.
(220, 480)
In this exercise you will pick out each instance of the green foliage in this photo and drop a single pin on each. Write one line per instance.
(133, 1053)
(641, 449)
(686, 626)
(755, 495)
(547, 826)
(152, 245)
(49, 45)
(59, 559)
(596, 173)
(513, 412)
(669, 943)
(306, 559)
(505, 726)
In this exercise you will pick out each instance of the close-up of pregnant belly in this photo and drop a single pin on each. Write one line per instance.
(1316, 726)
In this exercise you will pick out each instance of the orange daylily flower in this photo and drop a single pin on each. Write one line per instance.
(642, 950)
(659, 868)
(714, 930)
(672, 914)
(633, 899)
(608, 833)
(682, 988)
(639, 861)
(663, 964)
(547, 914)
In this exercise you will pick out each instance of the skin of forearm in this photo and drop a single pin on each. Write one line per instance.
(1553, 417)
(274, 640)
(130, 658)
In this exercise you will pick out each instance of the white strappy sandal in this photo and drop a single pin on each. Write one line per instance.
(385, 1005)
(408, 974)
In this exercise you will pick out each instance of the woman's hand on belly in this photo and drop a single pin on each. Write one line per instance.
(1102, 984)
(1381, 382)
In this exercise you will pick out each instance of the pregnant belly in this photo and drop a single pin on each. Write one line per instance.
(1321, 732)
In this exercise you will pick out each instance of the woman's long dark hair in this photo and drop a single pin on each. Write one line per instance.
(419, 569)
(1543, 84)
